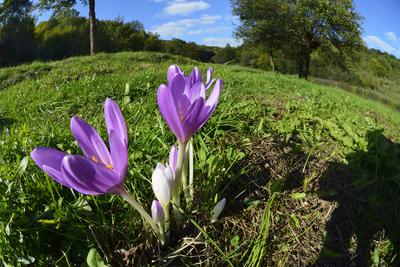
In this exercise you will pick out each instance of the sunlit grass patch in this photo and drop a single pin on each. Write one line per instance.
(278, 148)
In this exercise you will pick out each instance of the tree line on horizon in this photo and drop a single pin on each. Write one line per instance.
(320, 38)
(67, 34)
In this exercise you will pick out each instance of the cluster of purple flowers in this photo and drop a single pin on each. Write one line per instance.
(185, 108)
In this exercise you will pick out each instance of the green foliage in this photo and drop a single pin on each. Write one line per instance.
(17, 43)
(115, 35)
(57, 6)
(375, 75)
(43, 223)
(62, 37)
(224, 55)
(263, 23)
(299, 27)
(94, 259)
(192, 50)
(152, 43)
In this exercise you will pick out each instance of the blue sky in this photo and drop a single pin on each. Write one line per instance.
(381, 24)
(211, 22)
(202, 21)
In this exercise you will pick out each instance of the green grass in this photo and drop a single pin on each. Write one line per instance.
(271, 135)
(388, 95)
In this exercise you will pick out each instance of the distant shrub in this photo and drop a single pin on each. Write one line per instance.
(115, 35)
(153, 42)
(224, 55)
(17, 42)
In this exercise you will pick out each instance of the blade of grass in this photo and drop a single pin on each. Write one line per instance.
(258, 251)
(212, 242)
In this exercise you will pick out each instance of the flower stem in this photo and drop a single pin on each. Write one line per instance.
(162, 232)
(167, 221)
(125, 195)
(190, 156)
(178, 172)
(185, 187)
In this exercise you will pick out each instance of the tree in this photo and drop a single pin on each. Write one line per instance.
(115, 35)
(152, 42)
(299, 27)
(64, 35)
(136, 26)
(17, 28)
(224, 55)
(262, 24)
(62, 5)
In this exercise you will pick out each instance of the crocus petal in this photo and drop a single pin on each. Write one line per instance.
(191, 121)
(209, 76)
(218, 210)
(172, 70)
(157, 212)
(161, 186)
(119, 154)
(211, 103)
(168, 111)
(49, 160)
(212, 100)
(115, 121)
(177, 87)
(170, 175)
(88, 177)
(198, 90)
(173, 158)
(195, 76)
(90, 141)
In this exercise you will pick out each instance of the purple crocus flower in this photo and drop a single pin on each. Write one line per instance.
(194, 77)
(183, 105)
(100, 170)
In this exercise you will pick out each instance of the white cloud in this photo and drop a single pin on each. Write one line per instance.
(181, 7)
(209, 30)
(377, 43)
(182, 27)
(221, 41)
(391, 36)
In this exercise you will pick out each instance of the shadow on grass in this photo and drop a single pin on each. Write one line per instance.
(267, 161)
(367, 192)
(266, 164)
(5, 123)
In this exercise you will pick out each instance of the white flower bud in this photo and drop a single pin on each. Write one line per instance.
(161, 184)
(218, 210)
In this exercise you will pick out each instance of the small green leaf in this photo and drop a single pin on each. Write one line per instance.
(235, 241)
(46, 221)
(94, 259)
(295, 220)
(250, 203)
(23, 164)
(298, 195)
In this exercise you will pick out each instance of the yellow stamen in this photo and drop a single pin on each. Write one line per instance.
(95, 159)
(109, 166)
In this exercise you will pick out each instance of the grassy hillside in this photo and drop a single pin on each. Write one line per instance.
(376, 75)
(311, 173)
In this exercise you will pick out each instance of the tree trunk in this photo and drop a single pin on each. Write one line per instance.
(92, 25)
(307, 60)
(303, 65)
(300, 67)
(271, 61)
